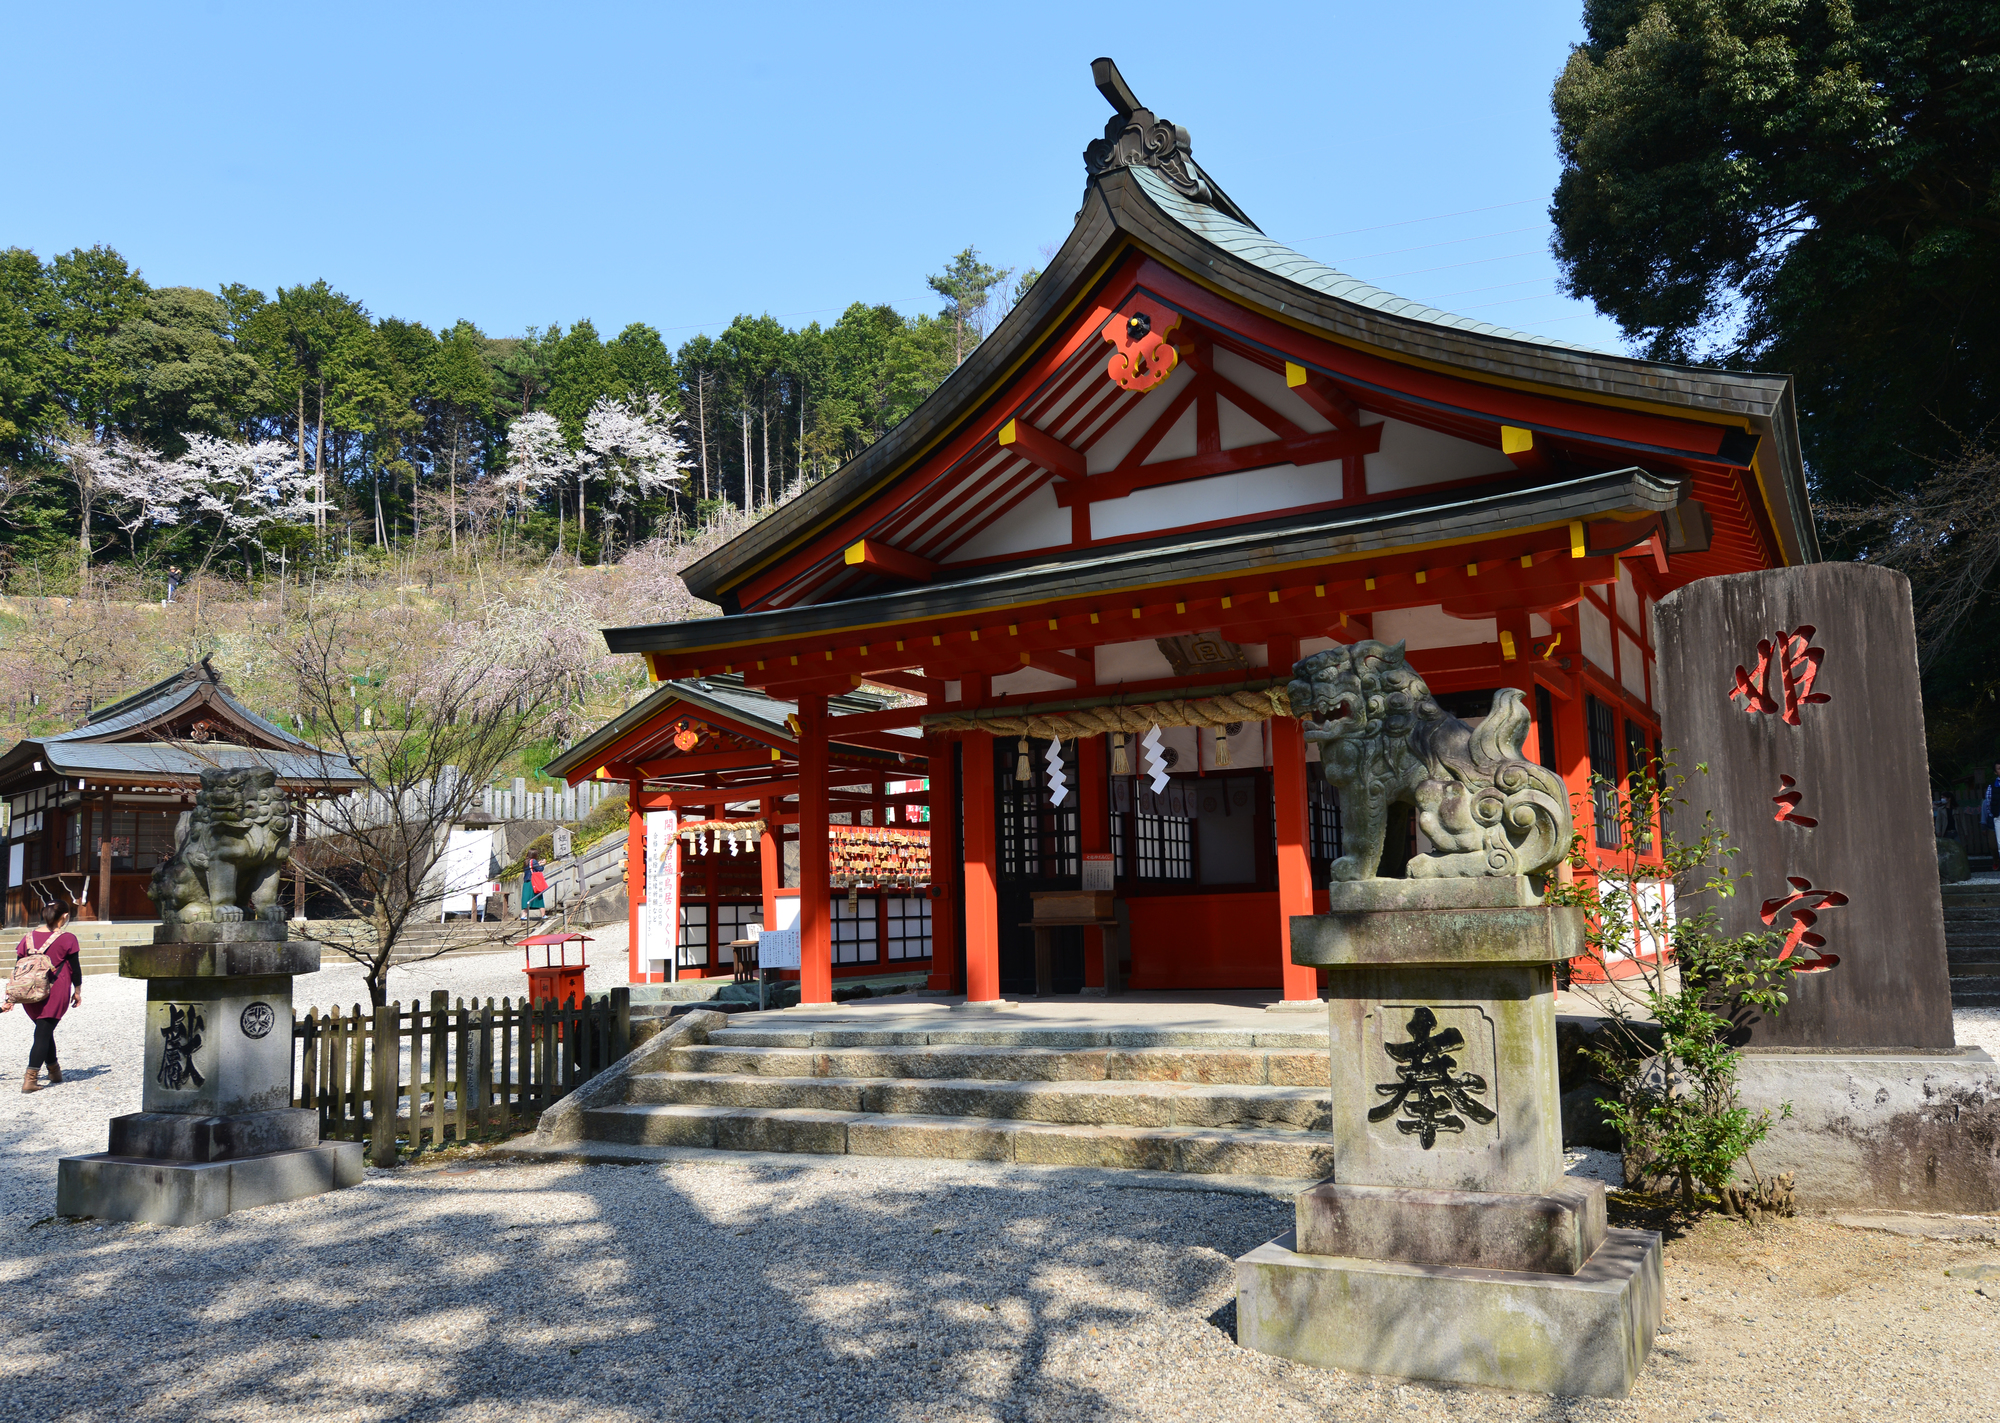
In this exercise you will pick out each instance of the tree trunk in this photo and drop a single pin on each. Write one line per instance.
(765, 411)
(749, 465)
(319, 460)
(701, 425)
(451, 497)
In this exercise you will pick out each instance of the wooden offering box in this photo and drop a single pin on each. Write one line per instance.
(1070, 906)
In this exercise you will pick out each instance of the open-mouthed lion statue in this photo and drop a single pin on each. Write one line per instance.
(1384, 742)
(230, 851)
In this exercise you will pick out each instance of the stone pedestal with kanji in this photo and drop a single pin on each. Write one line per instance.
(216, 1132)
(1798, 689)
(1448, 1244)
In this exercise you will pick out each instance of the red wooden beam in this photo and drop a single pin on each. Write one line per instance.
(875, 555)
(1044, 449)
(1332, 445)
(1062, 664)
(1321, 394)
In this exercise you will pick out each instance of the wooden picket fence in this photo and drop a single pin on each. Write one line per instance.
(425, 1076)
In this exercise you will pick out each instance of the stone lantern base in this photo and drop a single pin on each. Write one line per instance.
(1449, 1245)
(217, 1131)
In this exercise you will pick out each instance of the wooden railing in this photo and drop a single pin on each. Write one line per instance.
(425, 1076)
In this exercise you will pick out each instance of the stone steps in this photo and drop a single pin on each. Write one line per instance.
(1254, 1152)
(1065, 1103)
(1972, 943)
(1251, 1103)
(1250, 1067)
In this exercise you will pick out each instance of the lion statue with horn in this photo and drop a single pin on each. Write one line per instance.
(1390, 749)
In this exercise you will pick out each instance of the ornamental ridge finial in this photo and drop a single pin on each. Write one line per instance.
(1135, 137)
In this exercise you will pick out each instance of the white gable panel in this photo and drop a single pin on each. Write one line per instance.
(1177, 443)
(1132, 662)
(1116, 443)
(1269, 387)
(1036, 522)
(1031, 679)
(1225, 496)
(1237, 428)
(1421, 628)
(1412, 456)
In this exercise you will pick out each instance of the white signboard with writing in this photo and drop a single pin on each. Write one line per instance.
(778, 948)
(660, 915)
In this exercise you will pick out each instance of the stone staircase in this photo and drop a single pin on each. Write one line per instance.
(100, 942)
(1243, 1103)
(1972, 942)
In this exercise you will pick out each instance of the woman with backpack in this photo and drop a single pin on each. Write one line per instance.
(46, 982)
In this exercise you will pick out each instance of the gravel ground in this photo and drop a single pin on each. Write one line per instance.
(723, 1286)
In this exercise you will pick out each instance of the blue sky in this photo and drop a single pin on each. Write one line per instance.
(518, 165)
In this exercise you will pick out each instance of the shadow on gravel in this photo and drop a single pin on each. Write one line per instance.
(754, 1291)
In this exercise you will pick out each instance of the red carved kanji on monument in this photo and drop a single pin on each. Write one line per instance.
(1802, 905)
(1787, 800)
(1793, 663)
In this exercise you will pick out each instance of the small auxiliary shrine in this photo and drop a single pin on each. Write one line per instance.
(715, 815)
(1188, 457)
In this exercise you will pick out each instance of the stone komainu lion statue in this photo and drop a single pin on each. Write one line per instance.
(1388, 747)
(230, 851)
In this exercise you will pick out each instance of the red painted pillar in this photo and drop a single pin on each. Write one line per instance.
(982, 874)
(770, 859)
(635, 882)
(815, 856)
(1288, 780)
(943, 773)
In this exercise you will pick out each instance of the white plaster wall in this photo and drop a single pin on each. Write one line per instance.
(1177, 443)
(1238, 428)
(1035, 522)
(1269, 386)
(1132, 662)
(1631, 666)
(1596, 631)
(1628, 594)
(1032, 679)
(1422, 628)
(1412, 456)
(1117, 442)
(1538, 626)
(1226, 496)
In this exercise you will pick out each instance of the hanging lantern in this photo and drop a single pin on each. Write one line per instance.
(1221, 747)
(1121, 759)
(1023, 772)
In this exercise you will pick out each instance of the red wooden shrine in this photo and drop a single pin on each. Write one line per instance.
(1186, 458)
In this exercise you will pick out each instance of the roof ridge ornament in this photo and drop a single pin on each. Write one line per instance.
(1135, 137)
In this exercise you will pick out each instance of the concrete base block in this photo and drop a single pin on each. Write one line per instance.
(1880, 1131)
(987, 1005)
(173, 1136)
(186, 1193)
(1586, 1334)
(1555, 1232)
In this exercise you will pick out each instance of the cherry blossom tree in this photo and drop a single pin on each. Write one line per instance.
(538, 458)
(631, 451)
(245, 489)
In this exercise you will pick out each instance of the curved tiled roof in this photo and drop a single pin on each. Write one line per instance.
(1247, 243)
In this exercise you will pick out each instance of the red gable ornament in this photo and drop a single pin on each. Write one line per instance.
(1143, 356)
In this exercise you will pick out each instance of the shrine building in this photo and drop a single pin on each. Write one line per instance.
(1186, 458)
(90, 812)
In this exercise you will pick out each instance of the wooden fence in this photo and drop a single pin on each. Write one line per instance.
(426, 1076)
